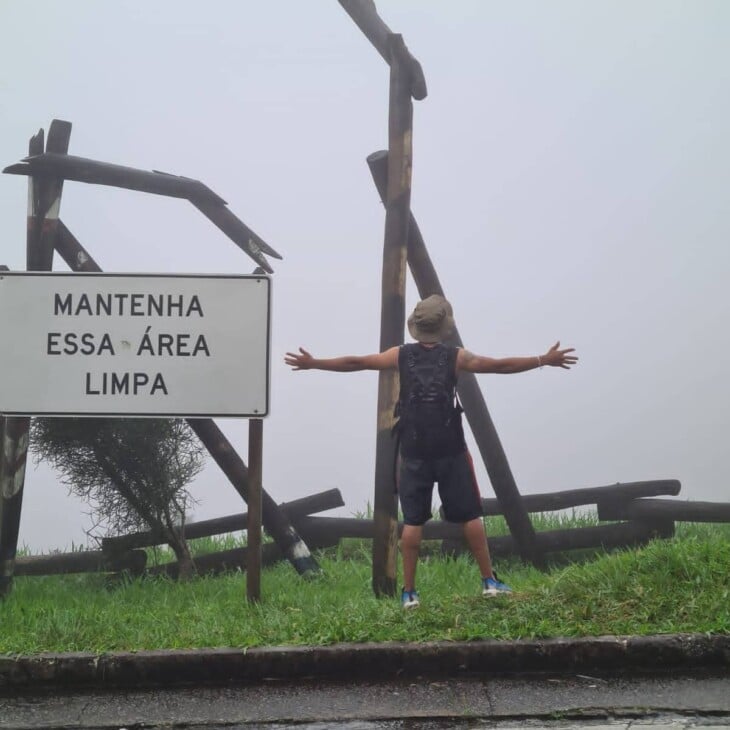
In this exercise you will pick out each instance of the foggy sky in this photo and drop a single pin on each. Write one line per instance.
(571, 176)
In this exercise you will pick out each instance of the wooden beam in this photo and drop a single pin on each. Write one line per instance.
(664, 509)
(253, 530)
(552, 501)
(55, 168)
(392, 316)
(44, 200)
(95, 172)
(320, 502)
(227, 560)
(81, 561)
(620, 534)
(366, 17)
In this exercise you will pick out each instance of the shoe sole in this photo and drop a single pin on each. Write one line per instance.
(492, 592)
(411, 604)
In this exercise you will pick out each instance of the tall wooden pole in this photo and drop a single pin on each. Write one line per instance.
(475, 407)
(392, 315)
(44, 200)
(253, 529)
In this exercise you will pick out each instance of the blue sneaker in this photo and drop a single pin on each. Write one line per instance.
(493, 587)
(409, 599)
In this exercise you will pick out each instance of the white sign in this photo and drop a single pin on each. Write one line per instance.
(134, 345)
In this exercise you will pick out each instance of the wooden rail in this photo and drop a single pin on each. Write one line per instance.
(664, 509)
(325, 529)
(320, 502)
(123, 553)
(80, 561)
(622, 492)
(234, 559)
(632, 519)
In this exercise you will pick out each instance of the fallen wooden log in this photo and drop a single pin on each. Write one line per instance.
(608, 537)
(82, 561)
(335, 528)
(551, 501)
(666, 509)
(235, 559)
(320, 502)
(623, 534)
(620, 534)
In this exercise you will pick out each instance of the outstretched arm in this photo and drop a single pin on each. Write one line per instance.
(554, 357)
(345, 364)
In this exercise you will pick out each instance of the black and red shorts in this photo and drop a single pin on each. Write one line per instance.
(457, 486)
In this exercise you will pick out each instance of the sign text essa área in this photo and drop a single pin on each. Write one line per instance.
(159, 344)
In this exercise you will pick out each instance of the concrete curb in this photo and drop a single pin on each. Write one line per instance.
(160, 669)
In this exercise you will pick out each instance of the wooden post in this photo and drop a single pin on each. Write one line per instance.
(44, 200)
(253, 530)
(475, 407)
(392, 316)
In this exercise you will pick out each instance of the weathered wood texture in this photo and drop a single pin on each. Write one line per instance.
(227, 560)
(664, 509)
(275, 521)
(320, 502)
(46, 203)
(12, 476)
(617, 535)
(334, 528)
(58, 167)
(84, 561)
(392, 316)
(215, 441)
(366, 17)
(123, 553)
(253, 523)
(475, 407)
(44, 200)
(95, 172)
(566, 499)
(549, 541)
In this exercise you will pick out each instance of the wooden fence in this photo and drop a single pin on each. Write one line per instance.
(630, 512)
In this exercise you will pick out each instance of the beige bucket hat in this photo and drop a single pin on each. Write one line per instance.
(432, 320)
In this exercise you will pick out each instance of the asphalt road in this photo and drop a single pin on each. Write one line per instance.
(669, 702)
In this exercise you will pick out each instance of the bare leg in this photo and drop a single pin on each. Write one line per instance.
(410, 543)
(476, 539)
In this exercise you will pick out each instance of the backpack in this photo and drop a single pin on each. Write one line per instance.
(428, 411)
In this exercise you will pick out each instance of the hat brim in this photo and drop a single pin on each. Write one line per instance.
(431, 336)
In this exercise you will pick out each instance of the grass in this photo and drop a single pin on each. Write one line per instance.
(668, 586)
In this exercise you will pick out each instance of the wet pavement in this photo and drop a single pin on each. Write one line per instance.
(559, 701)
(670, 681)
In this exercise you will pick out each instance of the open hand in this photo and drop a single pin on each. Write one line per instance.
(299, 361)
(559, 358)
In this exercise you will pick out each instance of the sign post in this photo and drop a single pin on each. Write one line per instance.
(253, 527)
(115, 345)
